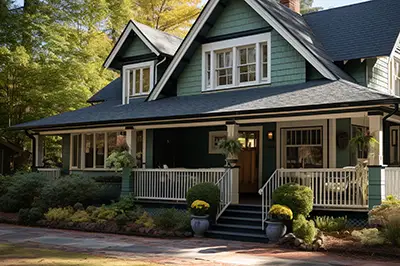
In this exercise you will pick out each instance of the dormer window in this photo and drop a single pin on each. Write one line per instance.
(138, 80)
(237, 62)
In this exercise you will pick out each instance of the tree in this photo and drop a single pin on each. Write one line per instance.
(306, 6)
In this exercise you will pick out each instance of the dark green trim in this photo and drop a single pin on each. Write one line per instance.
(236, 35)
(205, 118)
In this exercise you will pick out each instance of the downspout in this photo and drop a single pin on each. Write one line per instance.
(396, 109)
(32, 137)
(156, 70)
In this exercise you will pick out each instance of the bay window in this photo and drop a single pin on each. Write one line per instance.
(138, 80)
(237, 62)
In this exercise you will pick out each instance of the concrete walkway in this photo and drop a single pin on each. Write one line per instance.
(172, 251)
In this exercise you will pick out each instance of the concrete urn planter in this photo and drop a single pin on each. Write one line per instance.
(199, 225)
(275, 230)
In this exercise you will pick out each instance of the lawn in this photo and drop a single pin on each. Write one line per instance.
(21, 256)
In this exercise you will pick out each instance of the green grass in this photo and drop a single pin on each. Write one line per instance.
(13, 255)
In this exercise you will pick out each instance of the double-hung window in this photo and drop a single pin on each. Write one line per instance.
(395, 75)
(138, 80)
(237, 62)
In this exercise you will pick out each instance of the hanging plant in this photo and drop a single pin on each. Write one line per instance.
(363, 142)
(120, 158)
(231, 148)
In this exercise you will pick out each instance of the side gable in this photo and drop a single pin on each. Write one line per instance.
(208, 17)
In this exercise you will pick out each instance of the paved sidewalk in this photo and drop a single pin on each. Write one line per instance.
(173, 251)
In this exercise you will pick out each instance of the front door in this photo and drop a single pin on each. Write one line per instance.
(248, 161)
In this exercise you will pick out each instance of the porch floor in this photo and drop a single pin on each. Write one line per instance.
(250, 199)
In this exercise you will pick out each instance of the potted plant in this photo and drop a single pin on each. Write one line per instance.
(364, 143)
(231, 148)
(275, 225)
(199, 214)
(121, 159)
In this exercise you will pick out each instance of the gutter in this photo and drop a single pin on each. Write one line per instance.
(32, 137)
(396, 109)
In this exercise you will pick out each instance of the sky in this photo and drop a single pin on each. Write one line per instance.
(324, 3)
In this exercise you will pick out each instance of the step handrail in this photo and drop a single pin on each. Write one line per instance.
(224, 184)
(265, 202)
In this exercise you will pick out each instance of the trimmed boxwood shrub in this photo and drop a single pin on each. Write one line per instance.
(22, 191)
(29, 216)
(298, 198)
(304, 229)
(208, 192)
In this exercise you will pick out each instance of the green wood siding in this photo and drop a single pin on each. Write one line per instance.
(237, 16)
(137, 48)
(357, 70)
(287, 65)
(312, 73)
(378, 74)
(343, 155)
(269, 152)
(149, 148)
(66, 139)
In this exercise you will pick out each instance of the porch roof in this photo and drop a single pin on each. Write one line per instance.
(305, 96)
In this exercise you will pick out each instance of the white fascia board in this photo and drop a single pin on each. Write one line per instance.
(264, 14)
(184, 47)
(130, 27)
(392, 54)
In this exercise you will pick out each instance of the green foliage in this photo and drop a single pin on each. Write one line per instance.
(146, 221)
(22, 189)
(280, 212)
(392, 229)
(306, 6)
(379, 215)
(120, 159)
(330, 224)
(78, 206)
(5, 182)
(59, 214)
(103, 214)
(125, 203)
(172, 219)
(207, 192)
(68, 190)
(298, 198)
(304, 229)
(29, 216)
(80, 217)
(90, 209)
(369, 236)
(230, 147)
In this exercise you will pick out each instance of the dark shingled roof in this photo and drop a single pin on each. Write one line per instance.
(112, 91)
(310, 95)
(361, 30)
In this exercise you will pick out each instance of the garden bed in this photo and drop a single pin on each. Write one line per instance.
(9, 218)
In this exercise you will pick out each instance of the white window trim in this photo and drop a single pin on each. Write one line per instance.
(125, 89)
(233, 44)
(393, 75)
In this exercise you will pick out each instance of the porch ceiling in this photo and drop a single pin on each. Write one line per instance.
(306, 96)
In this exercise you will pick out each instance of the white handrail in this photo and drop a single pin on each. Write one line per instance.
(225, 187)
(265, 201)
(52, 173)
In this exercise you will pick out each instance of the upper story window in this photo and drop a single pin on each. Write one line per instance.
(237, 62)
(138, 80)
(395, 73)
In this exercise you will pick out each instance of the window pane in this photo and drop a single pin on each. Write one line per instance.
(137, 81)
(228, 59)
(264, 59)
(146, 79)
(131, 83)
(243, 69)
(304, 157)
(243, 56)
(220, 57)
(252, 76)
(111, 142)
(265, 70)
(243, 78)
(251, 55)
(89, 150)
(264, 53)
(100, 150)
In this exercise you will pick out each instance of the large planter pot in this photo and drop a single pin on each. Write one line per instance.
(231, 162)
(275, 230)
(199, 225)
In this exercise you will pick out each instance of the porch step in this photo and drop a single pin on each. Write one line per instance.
(239, 222)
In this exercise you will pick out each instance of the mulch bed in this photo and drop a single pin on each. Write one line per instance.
(10, 218)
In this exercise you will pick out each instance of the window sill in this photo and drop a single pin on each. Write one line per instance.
(233, 87)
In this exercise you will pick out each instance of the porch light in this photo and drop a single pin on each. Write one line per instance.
(270, 135)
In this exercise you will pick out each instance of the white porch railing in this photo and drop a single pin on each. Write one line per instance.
(172, 183)
(225, 187)
(392, 181)
(332, 188)
(52, 173)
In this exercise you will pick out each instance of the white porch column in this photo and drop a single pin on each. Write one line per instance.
(376, 130)
(39, 150)
(332, 143)
(232, 129)
(131, 141)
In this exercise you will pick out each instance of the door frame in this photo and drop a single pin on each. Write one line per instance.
(260, 150)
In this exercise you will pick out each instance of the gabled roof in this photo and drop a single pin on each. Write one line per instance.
(305, 96)
(287, 23)
(112, 91)
(363, 30)
(157, 41)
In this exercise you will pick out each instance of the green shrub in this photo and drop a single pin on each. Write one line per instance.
(59, 214)
(369, 236)
(78, 206)
(172, 219)
(122, 219)
(29, 216)
(304, 229)
(80, 217)
(330, 224)
(298, 198)
(125, 203)
(90, 209)
(21, 191)
(392, 229)
(68, 190)
(103, 214)
(5, 182)
(146, 221)
(207, 192)
(379, 215)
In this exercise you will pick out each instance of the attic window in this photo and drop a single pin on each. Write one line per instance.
(137, 79)
(396, 76)
(237, 62)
